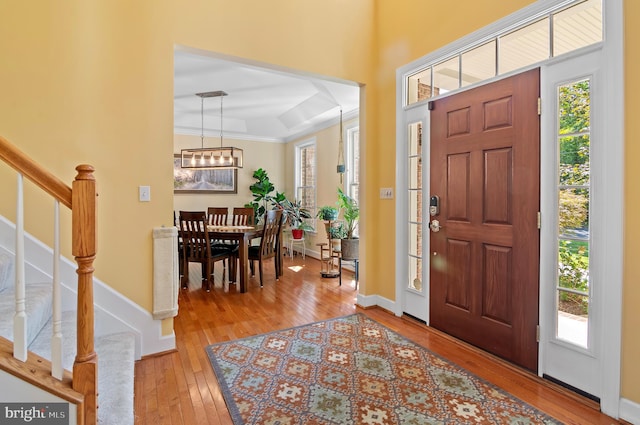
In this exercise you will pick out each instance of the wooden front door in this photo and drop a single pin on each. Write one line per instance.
(485, 169)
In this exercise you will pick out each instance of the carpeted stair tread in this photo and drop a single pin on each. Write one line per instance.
(116, 352)
(37, 308)
(41, 345)
(116, 359)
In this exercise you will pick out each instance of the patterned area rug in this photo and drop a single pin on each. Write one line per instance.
(353, 370)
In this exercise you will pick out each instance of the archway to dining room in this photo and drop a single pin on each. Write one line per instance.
(295, 126)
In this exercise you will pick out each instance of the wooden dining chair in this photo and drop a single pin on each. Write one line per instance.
(217, 216)
(198, 248)
(269, 244)
(243, 216)
(176, 223)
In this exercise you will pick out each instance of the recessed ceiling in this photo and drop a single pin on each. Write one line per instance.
(261, 104)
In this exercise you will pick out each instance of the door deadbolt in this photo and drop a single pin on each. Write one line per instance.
(434, 205)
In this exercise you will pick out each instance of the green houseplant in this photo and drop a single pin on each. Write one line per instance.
(351, 213)
(263, 197)
(334, 229)
(294, 216)
(337, 230)
(328, 213)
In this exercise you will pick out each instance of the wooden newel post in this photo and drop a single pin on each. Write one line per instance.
(85, 367)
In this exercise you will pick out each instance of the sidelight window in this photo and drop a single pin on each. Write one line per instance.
(573, 141)
(414, 170)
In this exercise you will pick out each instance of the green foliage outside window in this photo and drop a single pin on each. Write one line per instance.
(573, 271)
(574, 174)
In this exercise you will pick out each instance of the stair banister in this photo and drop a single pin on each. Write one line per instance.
(81, 198)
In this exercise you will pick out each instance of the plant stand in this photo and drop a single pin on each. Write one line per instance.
(328, 257)
(297, 241)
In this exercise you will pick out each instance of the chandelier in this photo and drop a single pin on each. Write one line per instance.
(222, 157)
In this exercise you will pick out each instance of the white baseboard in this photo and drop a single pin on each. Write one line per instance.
(113, 311)
(376, 300)
(630, 411)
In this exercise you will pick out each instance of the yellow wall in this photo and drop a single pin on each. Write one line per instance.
(92, 82)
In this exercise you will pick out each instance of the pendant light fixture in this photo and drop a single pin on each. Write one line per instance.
(211, 158)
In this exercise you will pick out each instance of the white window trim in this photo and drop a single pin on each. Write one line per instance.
(613, 69)
(298, 147)
(347, 132)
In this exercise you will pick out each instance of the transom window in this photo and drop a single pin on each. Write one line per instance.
(555, 33)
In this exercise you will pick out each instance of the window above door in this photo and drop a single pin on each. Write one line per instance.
(561, 29)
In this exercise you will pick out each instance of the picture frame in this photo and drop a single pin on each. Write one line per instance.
(220, 181)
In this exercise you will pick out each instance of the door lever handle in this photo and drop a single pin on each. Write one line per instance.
(435, 226)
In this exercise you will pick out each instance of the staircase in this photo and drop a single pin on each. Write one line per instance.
(36, 364)
(116, 352)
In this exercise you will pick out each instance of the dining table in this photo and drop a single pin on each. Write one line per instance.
(243, 236)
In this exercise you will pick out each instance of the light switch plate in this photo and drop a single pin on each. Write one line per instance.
(144, 193)
(386, 193)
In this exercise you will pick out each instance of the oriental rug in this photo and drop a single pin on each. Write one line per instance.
(353, 370)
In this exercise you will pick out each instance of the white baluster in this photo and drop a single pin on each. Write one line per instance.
(20, 317)
(56, 338)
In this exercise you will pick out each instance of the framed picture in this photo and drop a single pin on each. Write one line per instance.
(186, 180)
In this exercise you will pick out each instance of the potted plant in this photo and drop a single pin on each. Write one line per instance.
(335, 233)
(351, 214)
(294, 216)
(337, 230)
(263, 199)
(328, 213)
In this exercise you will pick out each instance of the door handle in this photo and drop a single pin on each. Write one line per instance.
(435, 226)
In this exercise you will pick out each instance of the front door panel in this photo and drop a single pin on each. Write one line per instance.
(485, 168)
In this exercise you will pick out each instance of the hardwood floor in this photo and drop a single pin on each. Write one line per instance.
(181, 388)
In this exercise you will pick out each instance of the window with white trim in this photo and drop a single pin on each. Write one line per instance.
(352, 183)
(574, 188)
(305, 177)
(352, 177)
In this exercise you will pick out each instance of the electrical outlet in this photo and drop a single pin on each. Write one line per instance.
(386, 193)
(144, 193)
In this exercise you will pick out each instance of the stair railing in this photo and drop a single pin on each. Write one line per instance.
(81, 198)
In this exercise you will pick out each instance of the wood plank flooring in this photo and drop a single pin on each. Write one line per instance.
(181, 388)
